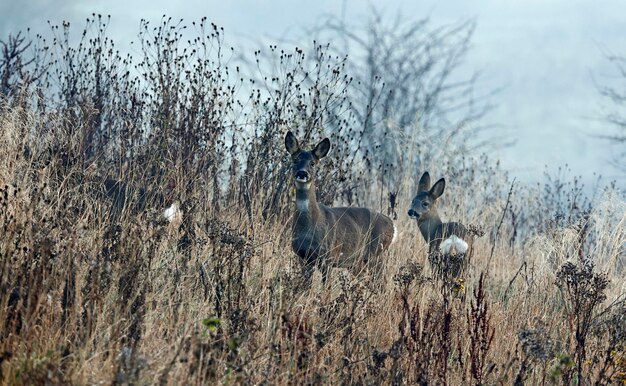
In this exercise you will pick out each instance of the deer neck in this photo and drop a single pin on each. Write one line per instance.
(307, 207)
(429, 225)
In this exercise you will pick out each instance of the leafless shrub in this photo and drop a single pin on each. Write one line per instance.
(481, 334)
(584, 291)
(406, 91)
(613, 93)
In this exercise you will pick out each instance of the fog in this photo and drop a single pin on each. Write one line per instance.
(546, 59)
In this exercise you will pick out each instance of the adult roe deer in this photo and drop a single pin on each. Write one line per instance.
(449, 244)
(322, 236)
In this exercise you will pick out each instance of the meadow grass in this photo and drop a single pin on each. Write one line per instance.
(98, 291)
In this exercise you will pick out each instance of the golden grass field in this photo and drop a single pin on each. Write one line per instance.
(214, 298)
(94, 290)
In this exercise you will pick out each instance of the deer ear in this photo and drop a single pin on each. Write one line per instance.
(437, 190)
(424, 183)
(291, 143)
(322, 149)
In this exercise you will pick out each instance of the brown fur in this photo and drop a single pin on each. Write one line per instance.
(325, 237)
(434, 231)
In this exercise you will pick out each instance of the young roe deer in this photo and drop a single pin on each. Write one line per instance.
(325, 237)
(449, 244)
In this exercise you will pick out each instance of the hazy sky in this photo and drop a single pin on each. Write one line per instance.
(546, 55)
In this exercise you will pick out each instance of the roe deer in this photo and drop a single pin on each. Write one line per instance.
(351, 238)
(127, 197)
(449, 244)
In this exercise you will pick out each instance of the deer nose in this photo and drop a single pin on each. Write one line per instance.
(412, 213)
(302, 175)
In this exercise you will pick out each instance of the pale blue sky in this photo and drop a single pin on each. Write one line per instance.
(544, 54)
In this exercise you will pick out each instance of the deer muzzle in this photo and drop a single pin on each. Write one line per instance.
(302, 176)
(413, 214)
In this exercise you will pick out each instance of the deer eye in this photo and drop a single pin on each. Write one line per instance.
(425, 204)
(313, 162)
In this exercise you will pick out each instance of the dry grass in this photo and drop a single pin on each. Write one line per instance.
(87, 301)
(90, 294)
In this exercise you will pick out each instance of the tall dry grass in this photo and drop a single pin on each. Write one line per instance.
(90, 294)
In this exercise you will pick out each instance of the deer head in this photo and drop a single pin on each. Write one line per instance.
(304, 162)
(424, 205)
